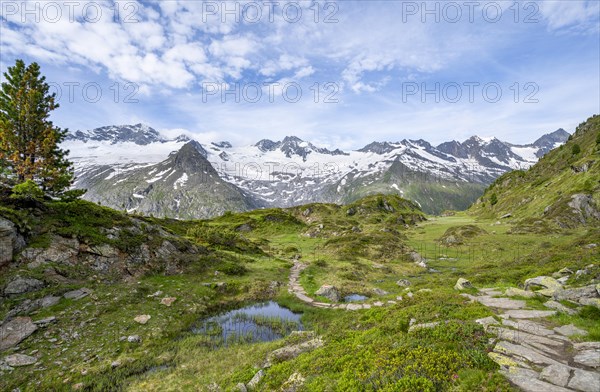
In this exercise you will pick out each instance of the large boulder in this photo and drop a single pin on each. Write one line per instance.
(15, 331)
(576, 294)
(21, 285)
(61, 250)
(584, 208)
(291, 352)
(549, 286)
(10, 241)
(329, 292)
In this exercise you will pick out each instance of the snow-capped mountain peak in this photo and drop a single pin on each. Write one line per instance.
(139, 134)
(294, 146)
(288, 172)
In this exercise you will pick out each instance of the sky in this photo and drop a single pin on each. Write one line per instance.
(339, 74)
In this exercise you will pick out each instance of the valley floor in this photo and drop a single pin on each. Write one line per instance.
(414, 331)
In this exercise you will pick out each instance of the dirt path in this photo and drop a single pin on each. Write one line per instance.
(296, 288)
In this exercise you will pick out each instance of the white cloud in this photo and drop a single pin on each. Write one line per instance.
(575, 15)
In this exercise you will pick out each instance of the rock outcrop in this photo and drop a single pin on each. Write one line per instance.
(329, 292)
(15, 331)
(10, 241)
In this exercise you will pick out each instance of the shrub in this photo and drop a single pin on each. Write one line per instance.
(72, 195)
(27, 190)
(232, 269)
(493, 199)
(576, 149)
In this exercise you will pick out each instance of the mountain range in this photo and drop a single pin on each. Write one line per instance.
(135, 168)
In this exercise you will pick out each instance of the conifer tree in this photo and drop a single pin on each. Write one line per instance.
(29, 141)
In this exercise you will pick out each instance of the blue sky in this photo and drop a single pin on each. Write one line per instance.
(171, 60)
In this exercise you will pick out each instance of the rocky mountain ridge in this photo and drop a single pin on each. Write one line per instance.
(287, 172)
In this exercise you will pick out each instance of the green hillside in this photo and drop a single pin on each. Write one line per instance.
(562, 190)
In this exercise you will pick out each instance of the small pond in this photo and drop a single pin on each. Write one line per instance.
(355, 298)
(262, 322)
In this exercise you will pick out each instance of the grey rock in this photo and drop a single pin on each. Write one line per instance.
(590, 302)
(528, 381)
(17, 360)
(576, 294)
(515, 292)
(521, 337)
(462, 284)
(134, 339)
(487, 321)
(15, 331)
(61, 250)
(570, 330)
(563, 272)
(241, 387)
(500, 303)
(527, 353)
(354, 307)
(403, 283)
(329, 292)
(5, 367)
(584, 208)
(256, 379)
(585, 381)
(21, 285)
(589, 358)
(528, 314)
(291, 352)
(559, 307)
(45, 321)
(25, 307)
(379, 291)
(587, 346)
(528, 326)
(8, 238)
(142, 318)
(548, 284)
(556, 374)
(166, 250)
(77, 294)
(48, 301)
(293, 383)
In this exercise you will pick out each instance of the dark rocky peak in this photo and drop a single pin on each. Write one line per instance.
(378, 148)
(267, 145)
(293, 145)
(191, 157)
(558, 136)
(454, 148)
(550, 141)
(222, 144)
